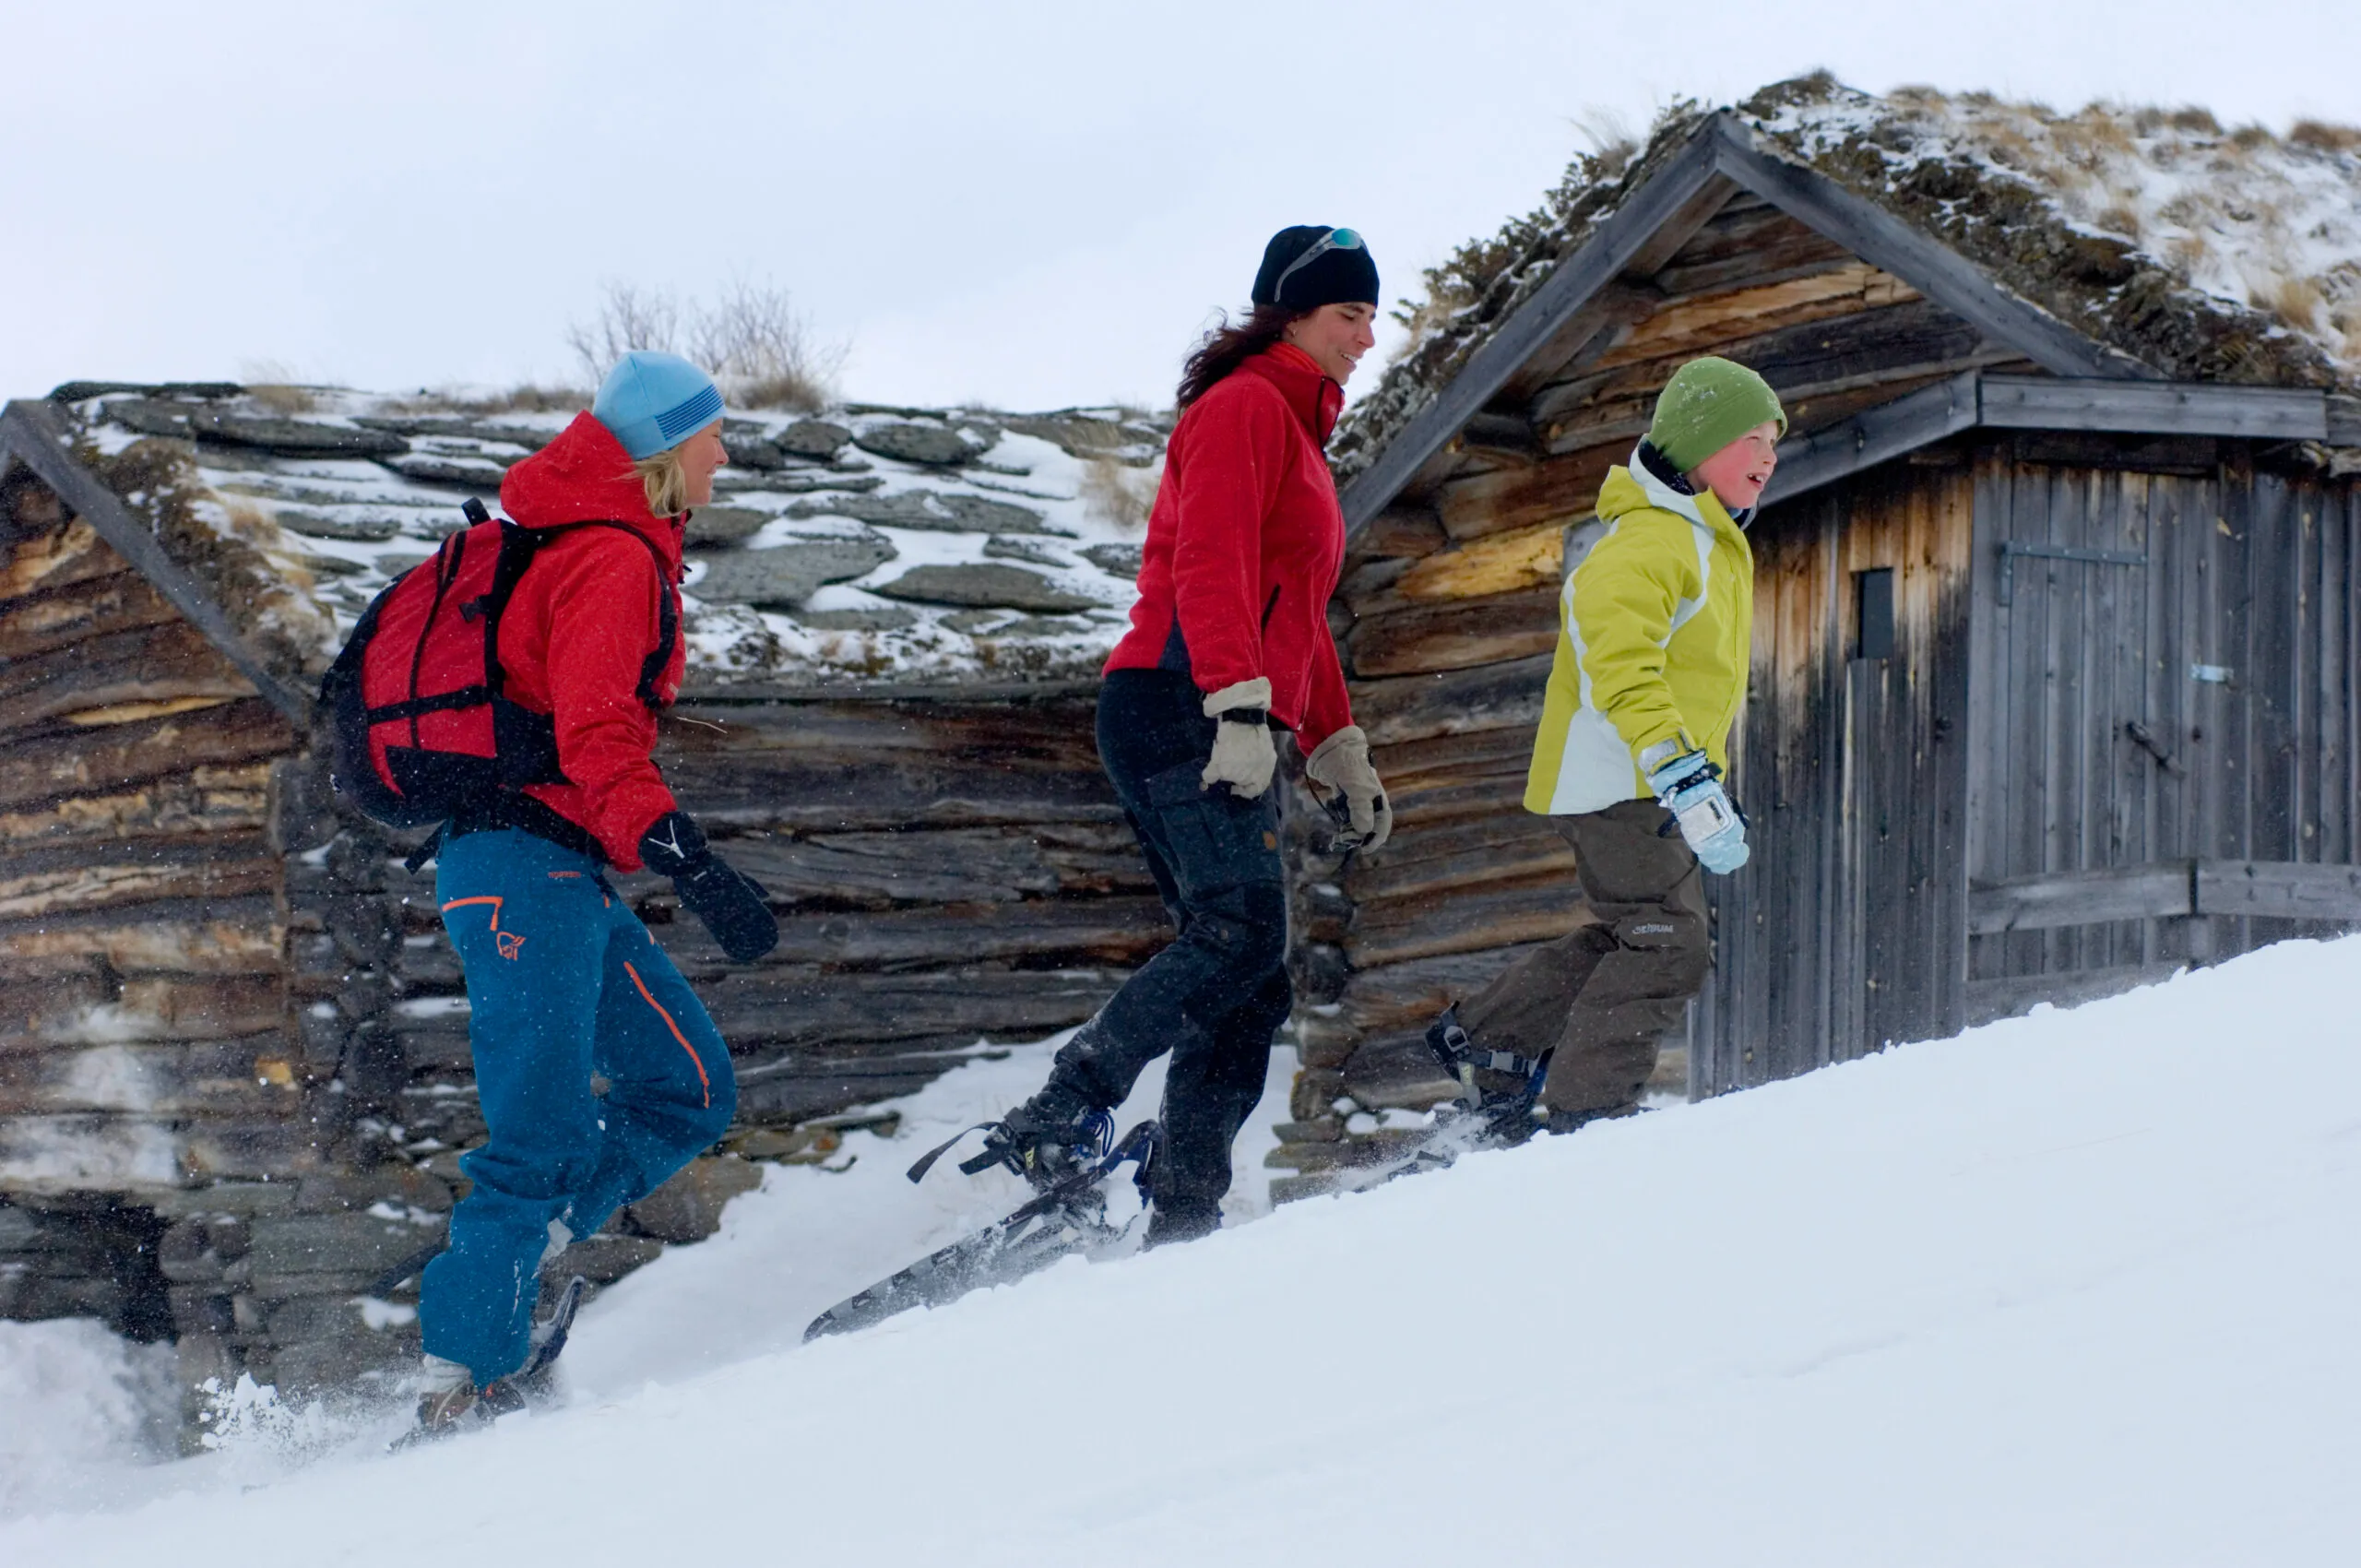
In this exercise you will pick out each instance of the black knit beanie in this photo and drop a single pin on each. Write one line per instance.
(1341, 274)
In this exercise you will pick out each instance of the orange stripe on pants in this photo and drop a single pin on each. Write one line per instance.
(491, 898)
(646, 996)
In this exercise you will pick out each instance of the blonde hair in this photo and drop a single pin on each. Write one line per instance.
(665, 480)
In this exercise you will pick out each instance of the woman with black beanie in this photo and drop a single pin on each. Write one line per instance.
(1228, 642)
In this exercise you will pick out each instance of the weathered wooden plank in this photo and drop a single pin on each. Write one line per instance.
(1452, 701)
(1942, 274)
(1038, 933)
(248, 1077)
(120, 602)
(2279, 890)
(40, 882)
(157, 666)
(134, 1153)
(223, 936)
(46, 768)
(208, 801)
(1408, 995)
(1871, 347)
(2149, 408)
(1501, 563)
(1700, 323)
(1399, 531)
(1514, 846)
(1750, 244)
(1455, 635)
(1551, 493)
(981, 865)
(1602, 322)
(848, 1010)
(58, 559)
(1541, 910)
(94, 1010)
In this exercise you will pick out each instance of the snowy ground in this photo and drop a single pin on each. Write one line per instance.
(2076, 1288)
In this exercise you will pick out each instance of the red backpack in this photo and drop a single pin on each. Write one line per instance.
(422, 728)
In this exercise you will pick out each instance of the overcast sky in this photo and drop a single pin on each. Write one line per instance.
(1025, 205)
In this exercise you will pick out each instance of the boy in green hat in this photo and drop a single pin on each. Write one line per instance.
(1655, 627)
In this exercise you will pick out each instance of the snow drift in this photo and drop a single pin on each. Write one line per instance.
(2073, 1289)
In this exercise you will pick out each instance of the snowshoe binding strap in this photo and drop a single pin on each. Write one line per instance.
(1455, 1050)
(926, 1161)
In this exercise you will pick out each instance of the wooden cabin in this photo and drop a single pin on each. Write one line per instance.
(234, 1078)
(2056, 639)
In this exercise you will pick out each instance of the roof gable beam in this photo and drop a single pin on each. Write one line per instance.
(31, 433)
(2021, 402)
(1555, 325)
(1619, 237)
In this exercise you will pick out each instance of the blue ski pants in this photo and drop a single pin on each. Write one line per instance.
(563, 981)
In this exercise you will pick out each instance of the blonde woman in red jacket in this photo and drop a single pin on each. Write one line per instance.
(1229, 644)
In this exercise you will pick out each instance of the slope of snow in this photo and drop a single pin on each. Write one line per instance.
(2079, 1288)
(83, 1409)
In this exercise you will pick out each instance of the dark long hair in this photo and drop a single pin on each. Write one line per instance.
(1231, 344)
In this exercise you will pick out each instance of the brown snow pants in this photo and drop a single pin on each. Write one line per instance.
(1605, 993)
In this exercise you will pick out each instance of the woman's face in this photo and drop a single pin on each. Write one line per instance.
(1335, 336)
(700, 455)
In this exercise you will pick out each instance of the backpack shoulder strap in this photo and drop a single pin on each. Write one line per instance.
(668, 612)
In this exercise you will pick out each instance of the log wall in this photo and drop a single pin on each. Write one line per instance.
(234, 1074)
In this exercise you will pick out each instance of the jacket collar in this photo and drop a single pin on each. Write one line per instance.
(1317, 401)
(584, 476)
(1667, 489)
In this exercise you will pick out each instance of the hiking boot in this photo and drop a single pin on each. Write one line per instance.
(1498, 1080)
(1050, 1136)
(1180, 1220)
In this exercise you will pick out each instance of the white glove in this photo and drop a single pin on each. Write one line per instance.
(1243, 756)
(1341, 762)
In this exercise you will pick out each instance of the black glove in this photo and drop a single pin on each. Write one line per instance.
(730, 904)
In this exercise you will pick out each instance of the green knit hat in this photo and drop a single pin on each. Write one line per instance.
(1708, 404)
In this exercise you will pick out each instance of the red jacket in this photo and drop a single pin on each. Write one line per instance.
(1244, 544)
(584, 619)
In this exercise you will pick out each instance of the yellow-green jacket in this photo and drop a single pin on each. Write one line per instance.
(1654, 633)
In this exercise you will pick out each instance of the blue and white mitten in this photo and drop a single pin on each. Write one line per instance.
(1688, 785)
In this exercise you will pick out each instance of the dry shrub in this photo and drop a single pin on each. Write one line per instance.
(1612, 143)
(764, 354)
(2295, 300)
(2322, 137)
(1116, 493)
(2189, 252)
(530, 398)
(273, 385)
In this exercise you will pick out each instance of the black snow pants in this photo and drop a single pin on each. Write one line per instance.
(1218, 995)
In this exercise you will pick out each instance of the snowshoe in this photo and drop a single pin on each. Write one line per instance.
(460, 1405)
(1066, 1218)
(1498, 1092)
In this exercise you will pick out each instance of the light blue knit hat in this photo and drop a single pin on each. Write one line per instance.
(651, 401)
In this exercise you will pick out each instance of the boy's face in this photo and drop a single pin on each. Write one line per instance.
(1739, 472)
